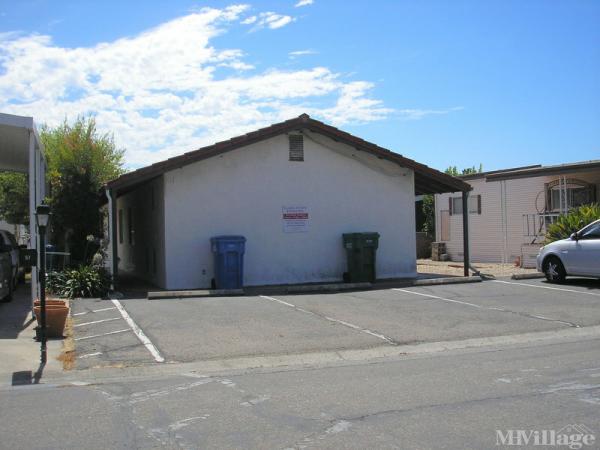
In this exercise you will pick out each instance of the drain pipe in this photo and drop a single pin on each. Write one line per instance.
(112, 232)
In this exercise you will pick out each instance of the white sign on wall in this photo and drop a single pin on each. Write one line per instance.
(295, 219)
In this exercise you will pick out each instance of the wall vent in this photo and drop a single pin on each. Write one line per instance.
(296, 147)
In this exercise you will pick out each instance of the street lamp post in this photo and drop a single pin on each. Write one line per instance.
(42, 216)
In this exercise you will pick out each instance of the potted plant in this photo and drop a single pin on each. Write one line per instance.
(56, 317)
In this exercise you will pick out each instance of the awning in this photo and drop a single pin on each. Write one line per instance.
(21, 150)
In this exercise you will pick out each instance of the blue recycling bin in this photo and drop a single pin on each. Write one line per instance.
(228, 252)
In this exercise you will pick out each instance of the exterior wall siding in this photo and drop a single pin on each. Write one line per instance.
(243, 192)
(486, 231)
(144, 256)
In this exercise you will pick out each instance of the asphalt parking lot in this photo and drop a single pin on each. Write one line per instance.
(139, 331)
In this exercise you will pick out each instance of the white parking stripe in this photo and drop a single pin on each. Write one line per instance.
(94, 311)
(331, 319)
(89, 355)
(492, 308)
(595, 294)
(95, 321)
(100, 335)
(440, 298)
(139, 333)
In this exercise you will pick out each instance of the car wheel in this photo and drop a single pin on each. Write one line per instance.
(554, 270)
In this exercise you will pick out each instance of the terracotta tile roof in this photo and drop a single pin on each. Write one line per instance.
(427, 180)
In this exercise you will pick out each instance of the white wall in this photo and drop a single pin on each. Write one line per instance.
(243, 192)
(486, 232)
(137, 258)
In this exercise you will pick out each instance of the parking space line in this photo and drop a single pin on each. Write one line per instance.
(331, 319)
(96, 321)
(94, 311)
(548, 287)
(100, 335)
(89, 355)
(491, 308)
(138, 332)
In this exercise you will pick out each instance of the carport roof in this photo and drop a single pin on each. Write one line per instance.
(14, 142)
(427, 180)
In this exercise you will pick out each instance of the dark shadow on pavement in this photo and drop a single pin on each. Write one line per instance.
(134, 288)
(587, 283)
(27, 377)
(13, 315)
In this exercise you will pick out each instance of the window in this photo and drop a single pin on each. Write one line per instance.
(475, 204)
(456, 205)
(296, 147)
(591, 232)
(120, 226)
(578, 193)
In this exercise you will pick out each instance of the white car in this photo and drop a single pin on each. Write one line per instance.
(578, 255)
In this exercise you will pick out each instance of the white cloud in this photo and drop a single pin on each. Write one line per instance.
(416, 114)
(268, 19)
(295, 54)
(304, 3)
(169, 90)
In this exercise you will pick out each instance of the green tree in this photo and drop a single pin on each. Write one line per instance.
(80, 161)
(453, 170)
(14, 198)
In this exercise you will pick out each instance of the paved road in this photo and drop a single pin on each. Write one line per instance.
(455, 399)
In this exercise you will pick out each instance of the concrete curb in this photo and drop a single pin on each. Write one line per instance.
(449, 280)
(327, 287)
(244, 364)
(308, 288)
(526, 276)
(200, 293)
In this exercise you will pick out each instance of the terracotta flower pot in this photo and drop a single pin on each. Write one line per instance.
(56, 317)
(50, 301)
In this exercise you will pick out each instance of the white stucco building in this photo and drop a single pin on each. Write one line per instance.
(509, 210)
(164, 215)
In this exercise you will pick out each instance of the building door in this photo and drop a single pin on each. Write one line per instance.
(445, 225)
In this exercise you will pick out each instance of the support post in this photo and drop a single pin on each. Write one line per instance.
(42, 275)
(465, 217)
(112, 232)
(33, 198)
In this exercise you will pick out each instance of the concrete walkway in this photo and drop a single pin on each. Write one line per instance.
(19, 353)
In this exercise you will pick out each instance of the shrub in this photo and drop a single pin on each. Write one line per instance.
(84, 281)
(55, 281)
(575, 220)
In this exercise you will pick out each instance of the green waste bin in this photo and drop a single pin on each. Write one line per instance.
(361, 249)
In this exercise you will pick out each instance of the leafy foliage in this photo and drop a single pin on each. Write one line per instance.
(80, 161)
(453, 170)
(14, 198)
(575, 220)
(429, 214)
(84, 281)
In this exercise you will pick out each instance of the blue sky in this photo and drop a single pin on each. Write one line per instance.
(503, 83)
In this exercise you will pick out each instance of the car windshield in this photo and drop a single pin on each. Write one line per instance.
(588, 227)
